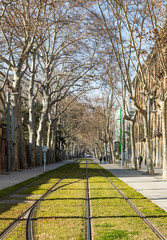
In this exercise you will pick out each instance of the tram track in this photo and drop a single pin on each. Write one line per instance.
(85, 175)
(141, 215)
(30, 211)
(29, 224)
(29, 227)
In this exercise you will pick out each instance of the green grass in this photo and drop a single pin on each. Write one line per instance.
(9, 212)
(62, 214)
(112, 217)
(112, 234)
(18, 233)
(155, 214)
(84, 160)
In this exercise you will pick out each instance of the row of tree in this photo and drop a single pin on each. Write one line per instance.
(45, 58)
(136, 32)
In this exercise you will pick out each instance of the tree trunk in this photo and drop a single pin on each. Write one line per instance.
(31, 133)
(14, 134)
(105, 147)
(32, 148)
(150, 166)
(31, 122)
(133, 157)
(123, 142)
(49, 142)
(22, 147)
(42, 126)
(112, 152)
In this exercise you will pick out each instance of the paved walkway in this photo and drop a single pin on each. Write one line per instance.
(8, 179)
(152, 187)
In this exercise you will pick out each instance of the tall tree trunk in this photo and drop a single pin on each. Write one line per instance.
(105, 147)
(49, 135)
(53, 143)
(31, 128)
(42, 125)
(14, 133)
(133, 157)
(112, 152)
(39, 149)
(31, 122)
(150, 166)
(123, 142)
(22, 145)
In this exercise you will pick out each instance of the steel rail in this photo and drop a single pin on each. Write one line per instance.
(6, 231)
(143, 217)
(88, 217)
(29, 225)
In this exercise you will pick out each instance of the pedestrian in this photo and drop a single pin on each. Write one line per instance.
(104, 159)
(140, 160)
(100, 159)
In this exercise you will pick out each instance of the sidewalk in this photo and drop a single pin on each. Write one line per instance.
(8, 179)
(152, 187)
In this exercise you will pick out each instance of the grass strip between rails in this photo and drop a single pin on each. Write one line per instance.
(61, 215)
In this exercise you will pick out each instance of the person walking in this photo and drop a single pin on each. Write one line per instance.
(100, 159)
(104, 159)
(140, 160)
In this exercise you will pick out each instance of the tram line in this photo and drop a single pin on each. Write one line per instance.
(29, 213)
(141, 215)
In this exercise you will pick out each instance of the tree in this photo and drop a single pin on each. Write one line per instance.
(21, 29)
(128, 35)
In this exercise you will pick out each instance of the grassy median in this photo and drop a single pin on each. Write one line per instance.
(61, 215)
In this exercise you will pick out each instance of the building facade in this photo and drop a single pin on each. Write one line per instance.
(147, 94)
